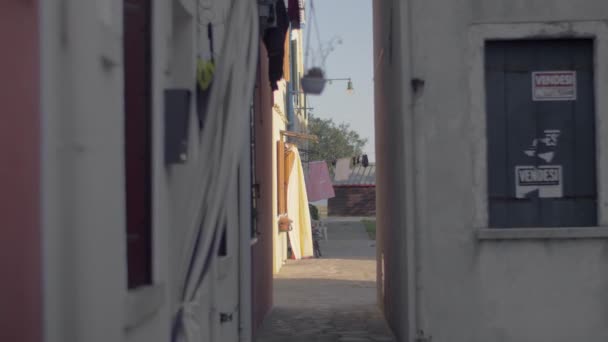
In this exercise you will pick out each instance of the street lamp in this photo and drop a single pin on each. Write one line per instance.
(349, 85)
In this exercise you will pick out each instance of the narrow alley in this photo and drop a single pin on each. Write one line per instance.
(332, 298)
(164, 165)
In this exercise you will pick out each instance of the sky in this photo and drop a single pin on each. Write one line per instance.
(351, 21)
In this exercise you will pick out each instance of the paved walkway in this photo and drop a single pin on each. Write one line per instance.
(332, 298)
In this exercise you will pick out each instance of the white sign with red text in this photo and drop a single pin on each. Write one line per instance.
(554, 85)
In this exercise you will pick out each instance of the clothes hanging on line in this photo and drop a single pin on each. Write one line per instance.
(274, 39)
(342, 172)
(318, 182)
(296, 13)
(365, 160)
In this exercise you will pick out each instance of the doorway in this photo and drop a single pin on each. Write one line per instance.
(138, 126)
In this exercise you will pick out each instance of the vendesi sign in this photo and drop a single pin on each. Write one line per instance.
(547, 180)
(554, 85)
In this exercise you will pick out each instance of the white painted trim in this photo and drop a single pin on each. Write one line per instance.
(142, 304)
(478, 35)
(565, 233)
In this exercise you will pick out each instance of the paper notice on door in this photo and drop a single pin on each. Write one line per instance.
(547, 180)
(554, 86)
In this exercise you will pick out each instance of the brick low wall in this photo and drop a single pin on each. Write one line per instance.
(353, 201)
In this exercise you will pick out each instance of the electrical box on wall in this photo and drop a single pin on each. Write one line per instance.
(177, 115)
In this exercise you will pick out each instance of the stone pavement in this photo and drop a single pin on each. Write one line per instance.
(332, 298)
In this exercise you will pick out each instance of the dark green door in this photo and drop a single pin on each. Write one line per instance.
(541, 133)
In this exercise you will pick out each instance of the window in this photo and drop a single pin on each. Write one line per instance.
(541, 151)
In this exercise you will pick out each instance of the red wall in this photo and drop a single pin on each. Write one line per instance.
(20, 239)
(353, 201)
(262, 250)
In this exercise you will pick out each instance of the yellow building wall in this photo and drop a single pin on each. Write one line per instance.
(279, 123)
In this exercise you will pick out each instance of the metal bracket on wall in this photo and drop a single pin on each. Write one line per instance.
(225, 317)
(268, 16)
(177, 114)
(298, 136)
(417, 84)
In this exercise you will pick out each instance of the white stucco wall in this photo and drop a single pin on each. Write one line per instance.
(85, 264)
(178, 40)
(453, 285)
(83, 179)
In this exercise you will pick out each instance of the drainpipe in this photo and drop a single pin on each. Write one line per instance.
(290, 109)
(291, 89)
(306, 130)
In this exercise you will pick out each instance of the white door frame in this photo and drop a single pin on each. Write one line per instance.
(478, 35)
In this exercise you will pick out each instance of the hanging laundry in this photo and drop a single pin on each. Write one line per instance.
(342, 169)
(274, 39)
(300, 237)
(365, 161)
(318, 182)
(295, 12)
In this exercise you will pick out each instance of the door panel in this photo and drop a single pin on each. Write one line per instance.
(138, 141)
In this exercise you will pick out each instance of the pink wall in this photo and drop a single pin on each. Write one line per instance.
(263, 249)
(20, 238)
